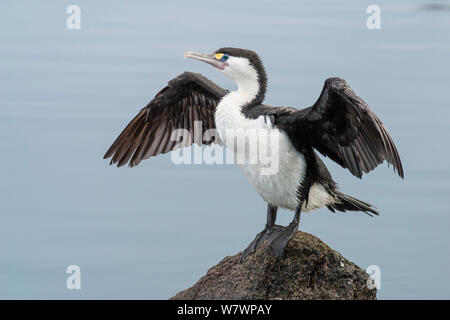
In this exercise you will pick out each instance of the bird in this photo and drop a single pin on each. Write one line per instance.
(339, 125)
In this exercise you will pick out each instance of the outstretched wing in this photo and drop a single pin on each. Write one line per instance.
(341, 126)
(187, 98)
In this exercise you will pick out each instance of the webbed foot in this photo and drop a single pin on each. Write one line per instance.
(276, 238)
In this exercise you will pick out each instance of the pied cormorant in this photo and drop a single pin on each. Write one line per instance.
(339, 125)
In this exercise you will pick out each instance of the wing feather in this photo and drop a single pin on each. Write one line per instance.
(340, 125)
(187, 98)
(343, 120)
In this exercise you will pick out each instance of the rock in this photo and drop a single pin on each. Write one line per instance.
(308, 269)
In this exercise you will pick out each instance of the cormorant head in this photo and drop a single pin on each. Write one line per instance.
(241, 65)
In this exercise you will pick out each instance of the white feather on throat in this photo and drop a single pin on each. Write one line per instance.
(279, 189)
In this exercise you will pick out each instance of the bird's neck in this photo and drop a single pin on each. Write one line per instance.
(250, 91)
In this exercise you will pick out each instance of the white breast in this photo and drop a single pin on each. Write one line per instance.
(280, 188)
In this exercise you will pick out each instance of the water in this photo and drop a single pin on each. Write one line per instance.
(151, 231)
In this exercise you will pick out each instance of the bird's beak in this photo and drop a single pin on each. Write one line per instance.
(208, 58)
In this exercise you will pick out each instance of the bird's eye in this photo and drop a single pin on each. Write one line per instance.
(221, 57)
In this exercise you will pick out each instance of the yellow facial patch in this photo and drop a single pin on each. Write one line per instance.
(218, 56)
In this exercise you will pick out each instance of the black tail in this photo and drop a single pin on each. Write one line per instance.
(347, 203)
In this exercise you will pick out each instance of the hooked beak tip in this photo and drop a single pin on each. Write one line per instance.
(187, 54)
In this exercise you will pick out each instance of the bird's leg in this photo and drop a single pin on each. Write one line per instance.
(260, 237)
(279, 240)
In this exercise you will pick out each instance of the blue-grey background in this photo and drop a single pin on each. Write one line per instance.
(151, 231)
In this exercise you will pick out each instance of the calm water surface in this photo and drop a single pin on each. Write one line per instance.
(151, 231)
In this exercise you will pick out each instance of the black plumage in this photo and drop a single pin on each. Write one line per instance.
(187, 98)
(340, 125)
